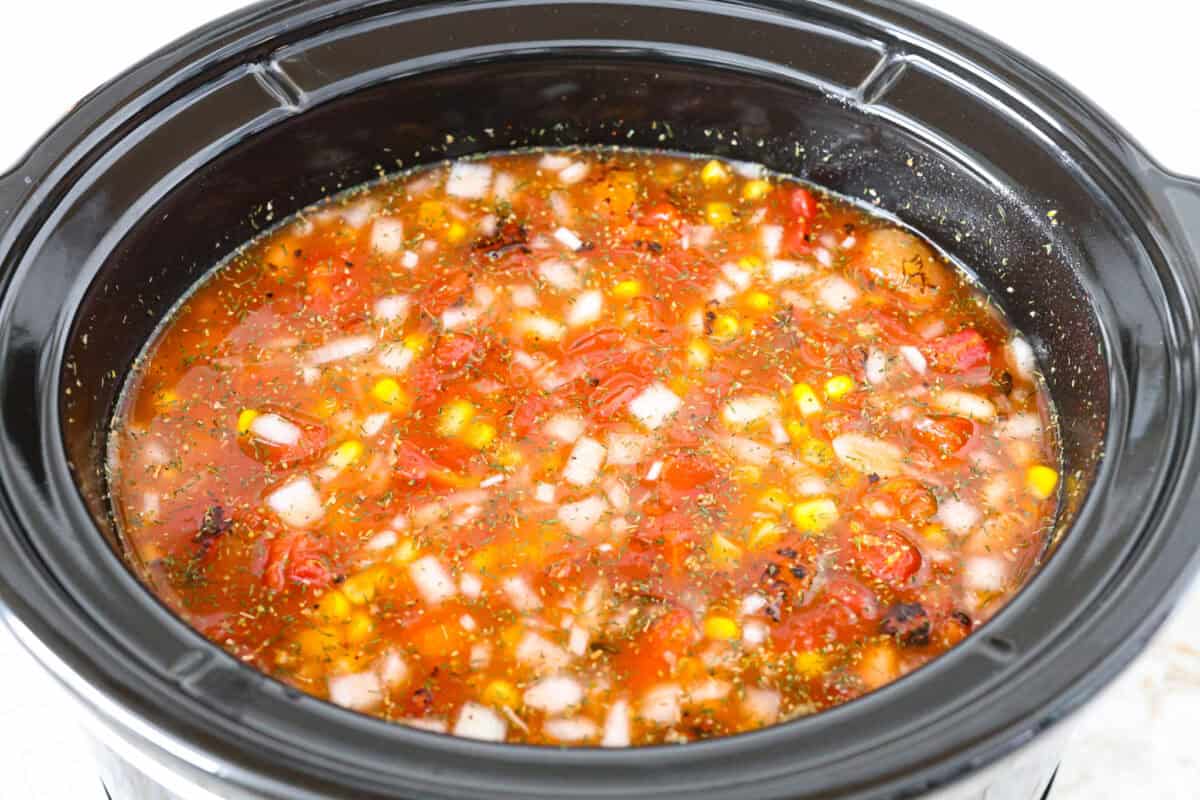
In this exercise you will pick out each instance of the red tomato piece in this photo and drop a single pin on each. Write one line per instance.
(854, 596)
(297, 558)
(659, 214)
(802, 203)
(888, 556)
(944, 434)
(444, 291)
(959, 352)
(688, 473)
(614, 392)
(453, 350)
(795, 237)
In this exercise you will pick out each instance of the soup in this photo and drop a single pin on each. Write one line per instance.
(585, 447)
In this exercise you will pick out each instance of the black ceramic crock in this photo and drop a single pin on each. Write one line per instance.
(1088, 244)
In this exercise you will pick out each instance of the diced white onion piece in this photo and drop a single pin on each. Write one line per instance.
(555, 162)
(488, 224)
(780, 270)
(467, 622)
(540, 328)
(574, 173)
(392, 669)
(469, 179)
(985, 573)
(540, 653)
(868, 455)
(699, 235)
(616, 725)
(559, 274)
(915, 358)
(565, 428)
(747, 169)
(660, 705)
(753, 603)
(275, 429)
(577, 640)
(779, 434)
(554, 694)
(519, 593)
(151, 505)
(655, 470)
(410, 259)
(382, 541)
(359, 691)
(761, 705)
(742, 412)
(876, 366)
(810, 486)
(748, 451)
(387, 236)
(374, 423)
(580, 517)
(395, 358)
(544, 493)
(356, 214)
(754, 633)
(721, 292)
(297, 503)
(708, 690)
(523, 296)
(835, 293)
(772, 239)
(585, 462)
(655, 406)
(480, 722)
(586, 308)
(958, 516)
(1021, 356)
(737, 276)
(470, 585)
(824, 257)
(1020, 426)
(616, 493)
(432, 580)
(965, 404)
(503, 185)
(340, 350)
(626, 449)
(567, 238)
(561, 207)
(429, 724)
(569, 730)
(480, 655)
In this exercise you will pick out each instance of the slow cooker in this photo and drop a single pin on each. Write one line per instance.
(1090, 247)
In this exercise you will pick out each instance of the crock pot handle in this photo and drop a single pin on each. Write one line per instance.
(1181, 203)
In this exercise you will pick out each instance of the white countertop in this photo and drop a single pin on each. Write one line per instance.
(1136, 741)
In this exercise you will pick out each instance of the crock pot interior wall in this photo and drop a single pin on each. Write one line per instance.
(992, 220)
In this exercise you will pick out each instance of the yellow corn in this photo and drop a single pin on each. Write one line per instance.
(725, 328)
(326, 407)
(723, 552)
(431, 214)
(165, 399)
(714, 173)
(718, 214)
(360, 628)
(501, 694)
(806, 399)
(456, 233)
(838, 387)
(334, 606)
(416, 342)
(389, 392)
(810, 664)
(817, 453)
(750, 263)
(627, 289)
(454, 417)
(345, 454)
(246, 419)
(756, 190)
(699, 354)
(746, 473)
(507, 455)
(405, 552)
(1041, 481)
(690, 669)
(361, 587)
(814, 515)
(317, 642)
(774, 499)
(935, 534)
(758, 301)
(764, 534)
(721, 628)
(480, 435)
(797, 431)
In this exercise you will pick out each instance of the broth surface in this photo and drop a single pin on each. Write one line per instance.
(597, 447)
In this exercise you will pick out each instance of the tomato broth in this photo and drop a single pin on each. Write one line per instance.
(586, 447)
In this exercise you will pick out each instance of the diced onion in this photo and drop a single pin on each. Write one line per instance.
(503, 185)
(382, 541)
(544, 493)
(432, 580)
(742, 412)
(753, 603)
(748, 451)
(470, 585)
(868, 455)
(568, 238)
(468, 179)
(585, 309)
(1020, 426)
(356, 214)
(985, 573)
(876, 367)
(958, 516)
(392, 669)
(480, 655)
(585, 462)
(616, 725)
(540, 328)
(523, 296)
(655, 406)
(574, 173)
(616, 493)
(762, 705)
(708, 690)
(374, 423)
(721, 292)
(1021, 356)
(965, 404)
(772, 239)
(359, 691)
(754, 633)
(297, 503)
(554, 694)
(835, 293)
(660, 705)
(582, 516)
(915, 358)
(340, 349)
(387, 236)
(395, 358)
(541, 654)
(737, 276)
(409, 259)
(559, 274)
(626, 449)
(824, 257)
(780, 270)
(457, 317)
(555, 162)
(430, 724)
(275, 429)
(522, 597)
(569, 730)
(577, 641)
(480, 722)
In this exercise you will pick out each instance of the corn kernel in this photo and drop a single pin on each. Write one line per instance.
(480, 435)
(361, 587)
(334, 606)
(246, 419)
(718, 214)
(723, 552)
(797, 431)
(774, 499)
(507, 455)
(1041, 481)
(814, 515)
(501, 694)
(935, 534)
(416, 342)
(454, 417)
(714, 173)
(165, 399)
(721, 628)
(405, 552)
(431, 214)
(725, 328)
(326, 407)
(756, 190)
(806, 399)
(388, 392)
(817, 453)
(758, 301)
(699, 354)
(746, 473)
(512, 635)
(345, 454)
(627, 290)
(810, 664)
(690, 669)
(750, 263)
(838, 387)
(360, 628)
(764, 534)
(456, 233)
(317, 642)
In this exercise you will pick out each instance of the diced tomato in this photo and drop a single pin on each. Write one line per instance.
(412, 463)
(646, 660)
(331, 284)
(530, 411)
(297, 558)
(453, 350)
(815, 627)
(609, 397)
(689, 473)
(802, 203)
(912, 499)
(959, 352)
(313, 438)
(888, 556)
(447, 289)
(854, 596)
(795, 238)
(659, 214)
(944, 434)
